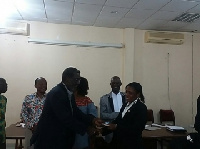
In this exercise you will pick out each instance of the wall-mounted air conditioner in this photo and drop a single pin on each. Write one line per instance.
(164, 37)
(14, 28)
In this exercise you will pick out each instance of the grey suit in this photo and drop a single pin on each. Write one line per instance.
(107, 112)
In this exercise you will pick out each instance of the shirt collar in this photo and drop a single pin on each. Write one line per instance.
(68, 91)
(134, 102)
(115, 94)
(35, 94)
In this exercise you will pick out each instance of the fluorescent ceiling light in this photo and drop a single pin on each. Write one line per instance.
(187, 17)
(8, 8)
(76, 43)
(21, 4)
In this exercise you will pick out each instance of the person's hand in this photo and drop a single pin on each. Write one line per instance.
(33, 129)
(91, 131)
(98, 131)
(112, 126)
(97, 122)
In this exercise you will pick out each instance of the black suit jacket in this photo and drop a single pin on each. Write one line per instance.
(129, 128)
(196, 136)
(197, 118)
(60, 121)
(183, 143)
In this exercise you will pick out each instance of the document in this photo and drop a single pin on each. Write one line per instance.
(176, 128)
(157, 125)
(147, 127)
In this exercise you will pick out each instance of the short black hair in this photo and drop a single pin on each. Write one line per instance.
(115, 77)
(138, 89)
(39, 78)
(2, 80)
(69, 73)
(83, 87)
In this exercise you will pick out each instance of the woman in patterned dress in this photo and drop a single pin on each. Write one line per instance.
(86, 105)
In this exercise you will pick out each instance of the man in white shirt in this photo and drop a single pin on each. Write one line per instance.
(110, 104)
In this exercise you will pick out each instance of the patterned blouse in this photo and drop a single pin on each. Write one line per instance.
(32, 109)
(86, 105)
(3, 101)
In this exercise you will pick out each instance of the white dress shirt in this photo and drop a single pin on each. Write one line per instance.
(117, 101)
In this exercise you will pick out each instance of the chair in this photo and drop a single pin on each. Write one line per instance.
(167, 117)
(150, 117)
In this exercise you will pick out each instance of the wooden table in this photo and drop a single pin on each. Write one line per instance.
(161, 133)
(17, 133)
(150, 138)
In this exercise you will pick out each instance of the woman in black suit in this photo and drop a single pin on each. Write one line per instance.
(128, 126)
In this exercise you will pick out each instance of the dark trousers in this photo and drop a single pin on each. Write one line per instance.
(2, 145)
(183, 143)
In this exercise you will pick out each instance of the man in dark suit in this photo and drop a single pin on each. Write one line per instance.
(61, 119)
(193, 139)
(196, 136)
(110, 104)
(197, 118)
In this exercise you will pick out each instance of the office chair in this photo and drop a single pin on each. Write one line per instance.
(167, 117)
(150, 117)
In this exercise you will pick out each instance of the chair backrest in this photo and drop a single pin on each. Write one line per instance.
(167, 116)
(150, 117)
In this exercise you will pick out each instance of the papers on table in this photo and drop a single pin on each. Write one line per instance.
(170, 128)
(151, 128)
(20, 125)
(157, 125)
(176, 129)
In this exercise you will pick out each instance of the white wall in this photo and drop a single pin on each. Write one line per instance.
(150, 64)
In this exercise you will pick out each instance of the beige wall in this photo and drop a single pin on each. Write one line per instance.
(22, 62)
(196, 69)
(169, 73)
(165, 72)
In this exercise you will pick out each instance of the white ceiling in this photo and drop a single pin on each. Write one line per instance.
(139, 14)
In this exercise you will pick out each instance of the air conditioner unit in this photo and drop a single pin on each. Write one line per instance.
(14, 28)
(164, 37)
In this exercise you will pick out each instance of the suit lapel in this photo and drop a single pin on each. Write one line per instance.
(110, 100)
(130, 109)
(123, 99)
(70, 100)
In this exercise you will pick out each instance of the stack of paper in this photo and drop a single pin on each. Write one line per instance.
(176, 128)
(151, 128)
(157, 125)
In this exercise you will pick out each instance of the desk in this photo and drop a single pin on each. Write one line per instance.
(150, 137)
(161, 134)
(17, 133)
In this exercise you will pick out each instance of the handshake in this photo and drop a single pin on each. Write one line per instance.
(99, 124)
